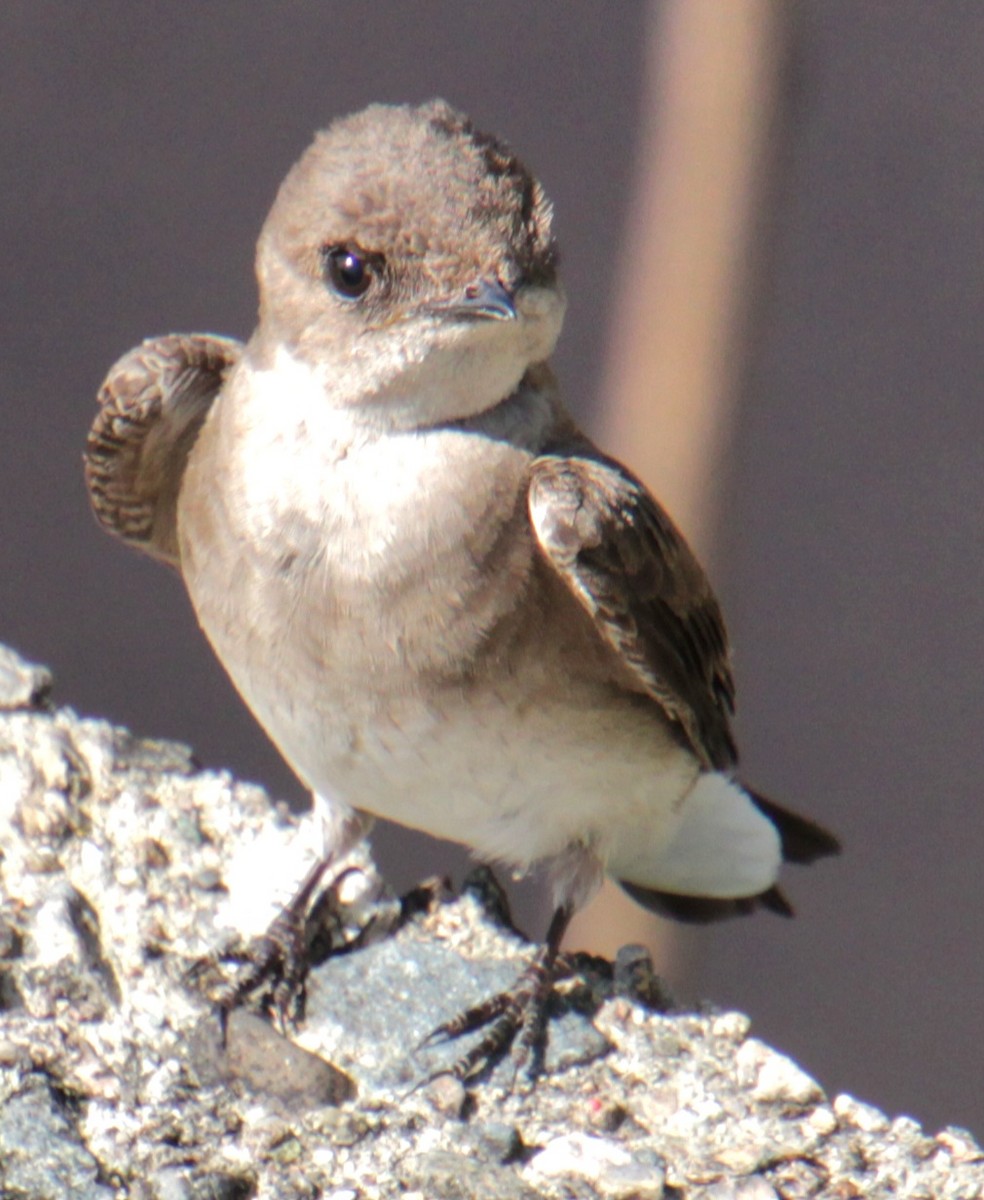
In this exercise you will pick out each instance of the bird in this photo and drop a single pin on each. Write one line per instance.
(445, 605)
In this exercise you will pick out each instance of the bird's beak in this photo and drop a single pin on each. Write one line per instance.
(484, 299)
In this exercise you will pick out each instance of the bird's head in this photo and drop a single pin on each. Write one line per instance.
(408, 255)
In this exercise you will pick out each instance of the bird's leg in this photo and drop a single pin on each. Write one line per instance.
(274, 966)
(522, 1010)
(277, 961)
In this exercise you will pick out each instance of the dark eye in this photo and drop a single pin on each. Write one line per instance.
(348, 270)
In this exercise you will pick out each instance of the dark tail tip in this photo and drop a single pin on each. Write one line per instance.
(803, 840)
(702, 910)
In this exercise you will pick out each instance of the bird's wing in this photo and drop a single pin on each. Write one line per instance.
(151, 407)
(633, 573)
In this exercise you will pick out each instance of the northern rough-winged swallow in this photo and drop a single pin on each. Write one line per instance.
(444, 604)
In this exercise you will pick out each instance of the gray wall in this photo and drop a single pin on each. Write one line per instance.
(141, 144)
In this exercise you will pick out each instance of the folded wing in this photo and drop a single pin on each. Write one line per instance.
(631, 570)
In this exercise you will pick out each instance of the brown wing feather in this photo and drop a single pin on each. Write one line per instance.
(151, 407)
(632, 571)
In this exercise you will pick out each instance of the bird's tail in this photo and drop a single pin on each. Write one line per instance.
(802, 841)
(701, 910)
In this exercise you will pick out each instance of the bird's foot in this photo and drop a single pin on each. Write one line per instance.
(515, 1016)
(270, 972)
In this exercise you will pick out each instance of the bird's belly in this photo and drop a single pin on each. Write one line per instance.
(515, 777)
(509, 754)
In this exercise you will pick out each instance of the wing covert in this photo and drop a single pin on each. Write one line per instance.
(633, 573)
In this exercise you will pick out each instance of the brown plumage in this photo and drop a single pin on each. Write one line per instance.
(151, 407)
(445, 605)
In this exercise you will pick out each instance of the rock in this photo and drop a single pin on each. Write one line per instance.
(272, 1066)
(774, 1078)
(751, 1188)
(444, 1175)
(608, 1165)
(500, 1142)
(178, 1184)
(121, 865)
(635, 977)
(448, 1095)
(960, 1145)
(862, 1116)
(42, 1150)
(22, 683)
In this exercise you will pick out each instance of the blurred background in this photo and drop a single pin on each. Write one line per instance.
(771, 224)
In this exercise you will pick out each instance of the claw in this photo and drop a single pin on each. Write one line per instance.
(472, 1018)
(436, 1037)
(520, 1010)
(274, 965)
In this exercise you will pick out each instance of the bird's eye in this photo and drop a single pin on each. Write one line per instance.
(348, 270)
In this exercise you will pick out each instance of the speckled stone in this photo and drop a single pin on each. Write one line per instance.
(121, 865)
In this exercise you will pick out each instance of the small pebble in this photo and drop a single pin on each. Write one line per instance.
(12, 1055)
(635, 978)
(273, 1066)
(780, 1079)
(340, 1126)
(502, 1142)
(606, 1164)
(606, 1116)
(23, 684)
(731, 1026)
(960, 1145)
(862, 1116)
(210, 880)
(740, 1159)
(822, 1121)
(287, 1151)
(448, 1095)
(153, 854)
(773, 1078)
(753, 1187)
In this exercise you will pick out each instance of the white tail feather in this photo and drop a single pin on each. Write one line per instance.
(724, 847)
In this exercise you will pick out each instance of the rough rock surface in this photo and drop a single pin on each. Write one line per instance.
(121, 864)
